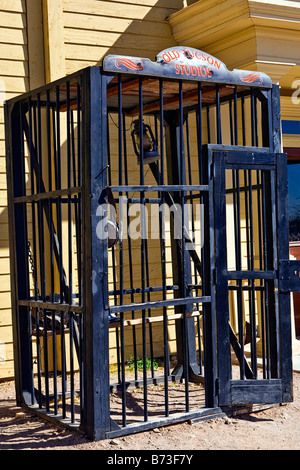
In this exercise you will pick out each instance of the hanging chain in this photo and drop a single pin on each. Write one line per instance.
(32, 265)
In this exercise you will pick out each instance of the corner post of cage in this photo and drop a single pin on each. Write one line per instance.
(95, 416)
(275, 138)
(16, 186)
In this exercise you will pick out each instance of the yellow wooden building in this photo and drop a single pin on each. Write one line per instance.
(42, 40)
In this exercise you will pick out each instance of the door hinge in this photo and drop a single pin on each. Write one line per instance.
(289, 276)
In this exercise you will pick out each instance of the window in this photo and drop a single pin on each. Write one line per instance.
(294, 200)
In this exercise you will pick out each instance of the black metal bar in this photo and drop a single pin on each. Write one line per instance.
(79, 182)
(95, 420)
(143, 249)
(69, 163)
(51, 234)
(34, 274)
(284, 298)
(243, 121)
(132, 291)
(46, 360)
(184, 268)
(235, 117)
(159, 303)
(121, 267)
(208, 125)
(159, 188)
(63, 363)
(218, 116)
(40, 227)
(54, 353)
(72, 384)
(163, 251)
(115, 292)
(38, 336)
(221, 283)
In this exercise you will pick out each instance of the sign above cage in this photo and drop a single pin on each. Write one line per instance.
(188, 64)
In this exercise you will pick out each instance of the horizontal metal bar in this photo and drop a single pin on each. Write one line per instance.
(199, 414)
(50, 306)
(250, 158)
(160, 188)
(48, 195)
(140, 290)
(158, 319)
(159, 304)
(235, 275)
(135, 200)
(237, 149)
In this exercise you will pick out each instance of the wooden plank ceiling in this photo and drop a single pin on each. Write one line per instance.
(151, 94)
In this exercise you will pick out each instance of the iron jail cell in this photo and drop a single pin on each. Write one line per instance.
(149, 243)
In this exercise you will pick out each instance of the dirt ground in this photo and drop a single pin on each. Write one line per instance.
(277, 428)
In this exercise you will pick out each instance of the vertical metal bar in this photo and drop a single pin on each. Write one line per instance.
(275, 321)
(261, 291)
(235, 117)
(142, 202)
(163, 250)
(58, 185)
(38, 336)
(40, 203)
(221, 291)
(95, 420)
(252, 292)
(231, 123)
(256, 134)
(239, 267)
(265, 264)
(46, 359)
(252, 98)
(208, 125)
(18, 233)
(130, 252)
(54, 363)
(70, 251)
(149, 310)
(202, 198)
(218, 116)
(51, 253)
(29, 313)
(32, 182)
(121, 265)
(72, 386)
(182, 179)
(63, 363)
(79, 179)
(113, 257)
(199, 131)
(284, 298)
(243, 121)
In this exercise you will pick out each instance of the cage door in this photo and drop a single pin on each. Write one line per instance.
(253, 315)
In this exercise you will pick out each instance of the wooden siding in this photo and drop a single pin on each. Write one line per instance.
(13, 81)
(94, 29)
